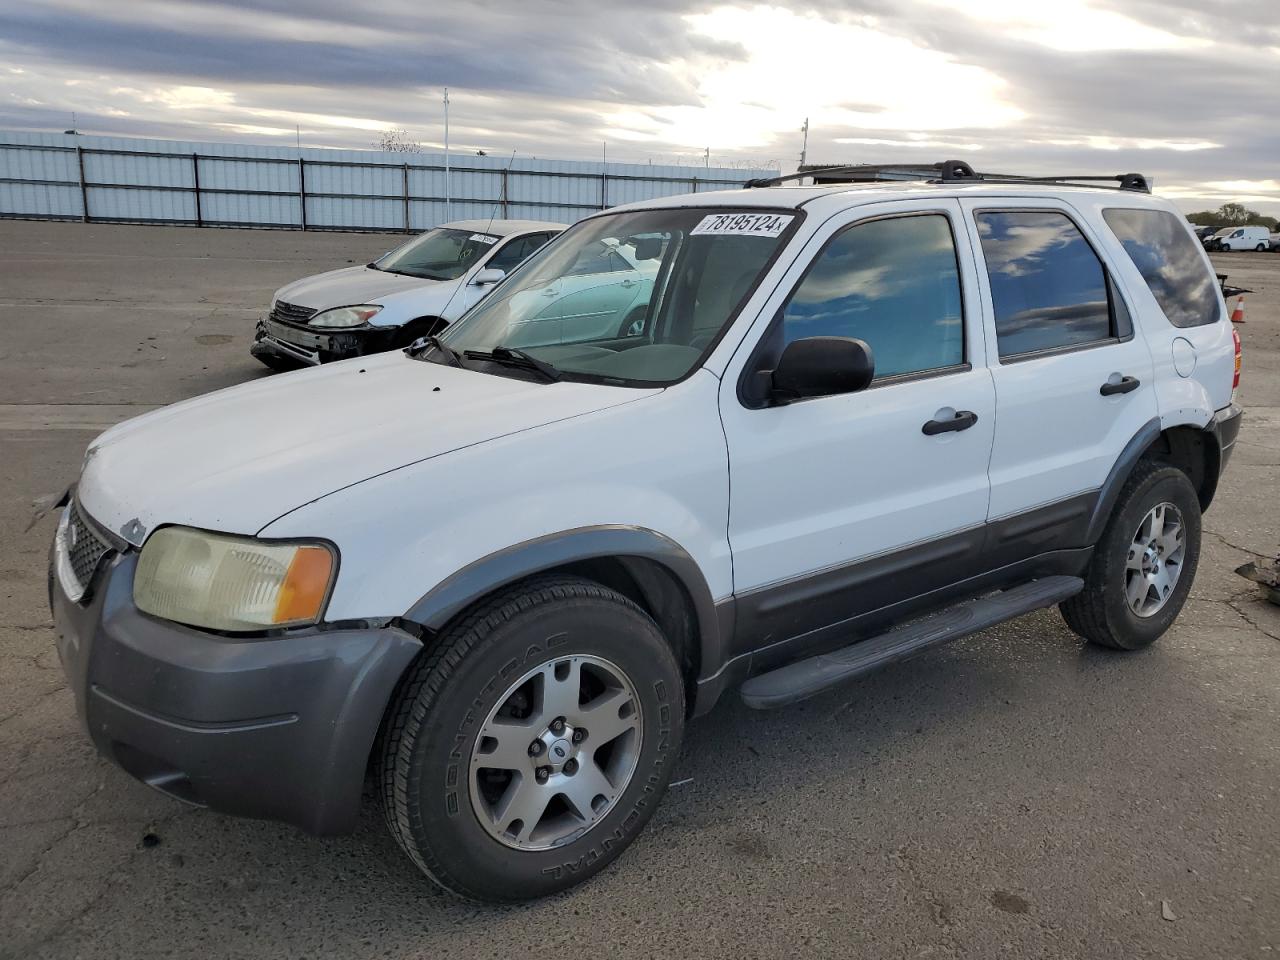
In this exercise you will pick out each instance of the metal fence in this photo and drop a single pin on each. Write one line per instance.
(118, 180)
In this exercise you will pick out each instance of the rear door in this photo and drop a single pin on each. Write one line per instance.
(1073, 382)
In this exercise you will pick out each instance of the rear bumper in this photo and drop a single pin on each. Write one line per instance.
(278, 728)
(1226, 424)
(311, 348)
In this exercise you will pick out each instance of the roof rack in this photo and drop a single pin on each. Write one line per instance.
(948, 171)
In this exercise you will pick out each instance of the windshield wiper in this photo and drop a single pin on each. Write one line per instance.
(515, 357)
(431, 341)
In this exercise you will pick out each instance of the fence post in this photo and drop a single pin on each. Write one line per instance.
(604, 191)
(694, 183)
(84, 193)
(405, 172)
(302, 191)
(506, 203)
(195, 180)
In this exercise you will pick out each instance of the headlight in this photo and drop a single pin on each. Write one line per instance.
(230, 583)
(356, 316)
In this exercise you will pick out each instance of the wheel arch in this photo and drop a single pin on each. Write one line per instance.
(1197, 451)
(411, 330)
(647, 567)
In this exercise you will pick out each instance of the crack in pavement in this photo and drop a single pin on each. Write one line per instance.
(1249, 620)
(64, 926)
(1236, 546)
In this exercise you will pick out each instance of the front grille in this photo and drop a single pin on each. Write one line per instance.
(84, 545)
(291, 312)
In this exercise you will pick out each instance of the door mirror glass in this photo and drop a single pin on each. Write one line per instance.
(822, 367)
(487, 276)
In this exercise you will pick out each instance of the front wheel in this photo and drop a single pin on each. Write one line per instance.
(1144, 564)
(533, 741)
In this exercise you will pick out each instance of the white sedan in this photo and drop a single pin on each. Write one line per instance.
(418, 288)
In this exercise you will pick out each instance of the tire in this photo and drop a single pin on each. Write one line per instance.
(1260, 247)
(1103, 613)
(433, 772)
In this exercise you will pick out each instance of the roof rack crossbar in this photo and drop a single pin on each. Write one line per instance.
(948, 171)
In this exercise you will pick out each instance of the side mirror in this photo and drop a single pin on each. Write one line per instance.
(487, 276)
(822, 367)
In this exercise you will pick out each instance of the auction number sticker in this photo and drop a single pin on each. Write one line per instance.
(743, 224)
(484, 238)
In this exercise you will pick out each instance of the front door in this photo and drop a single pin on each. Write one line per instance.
(846, 504)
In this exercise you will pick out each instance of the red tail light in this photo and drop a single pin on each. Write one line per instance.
(1235, 337)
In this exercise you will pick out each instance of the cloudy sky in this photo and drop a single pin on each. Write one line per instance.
(1186, 90)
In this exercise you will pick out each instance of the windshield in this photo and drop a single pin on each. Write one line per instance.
(1226, 231)
(637, 298)
(439, 254)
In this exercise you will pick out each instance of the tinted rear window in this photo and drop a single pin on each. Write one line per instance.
(1161, 248)
(1047, 285)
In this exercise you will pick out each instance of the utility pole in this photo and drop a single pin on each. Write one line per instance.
(448, 205)
(706, 159)
(804, 146)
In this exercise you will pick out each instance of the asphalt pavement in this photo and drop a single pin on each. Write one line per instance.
(1016, 794)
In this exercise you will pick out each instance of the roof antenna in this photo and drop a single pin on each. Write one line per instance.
(492, 213)
(502, 191)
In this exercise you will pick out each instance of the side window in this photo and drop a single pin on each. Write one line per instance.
(513, 253)
(1048, 287)
(894, 283)
(595, 258)
(1170, 261)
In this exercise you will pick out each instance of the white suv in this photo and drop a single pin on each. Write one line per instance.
(852, 421)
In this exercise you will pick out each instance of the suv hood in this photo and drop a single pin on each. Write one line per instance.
(237, 459)
(348, 286)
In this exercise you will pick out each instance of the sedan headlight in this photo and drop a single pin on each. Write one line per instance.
(231, 583)
(356, 316)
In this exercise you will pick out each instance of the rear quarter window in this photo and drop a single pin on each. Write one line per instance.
(1171, 263)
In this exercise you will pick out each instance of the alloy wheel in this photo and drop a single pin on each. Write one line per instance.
(1154, 562)
(556, 753)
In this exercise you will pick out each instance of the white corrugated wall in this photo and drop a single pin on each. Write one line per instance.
(126, 179)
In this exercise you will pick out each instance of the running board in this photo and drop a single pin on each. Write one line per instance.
(805, 678)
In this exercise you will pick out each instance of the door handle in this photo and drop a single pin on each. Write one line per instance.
(1124, 385)
(963, 420)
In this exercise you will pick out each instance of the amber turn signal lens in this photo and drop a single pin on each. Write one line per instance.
(305, 584)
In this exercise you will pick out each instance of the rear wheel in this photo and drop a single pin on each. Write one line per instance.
(1144, 564)
(531, 744)
(1260, 247)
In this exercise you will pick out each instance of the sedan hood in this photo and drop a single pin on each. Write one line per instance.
(240, 458)
(348, 286)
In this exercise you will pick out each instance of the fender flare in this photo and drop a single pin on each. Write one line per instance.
(1135, 449)
(455, 593)
(1119, 475)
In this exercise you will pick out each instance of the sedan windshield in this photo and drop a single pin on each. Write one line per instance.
(635, 298)
(438, 254)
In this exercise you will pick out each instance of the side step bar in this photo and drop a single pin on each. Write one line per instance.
(805, 678)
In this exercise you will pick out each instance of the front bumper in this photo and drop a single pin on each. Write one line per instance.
(312, 347)
(278, 728)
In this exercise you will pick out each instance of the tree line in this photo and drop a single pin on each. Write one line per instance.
(1232, 215)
